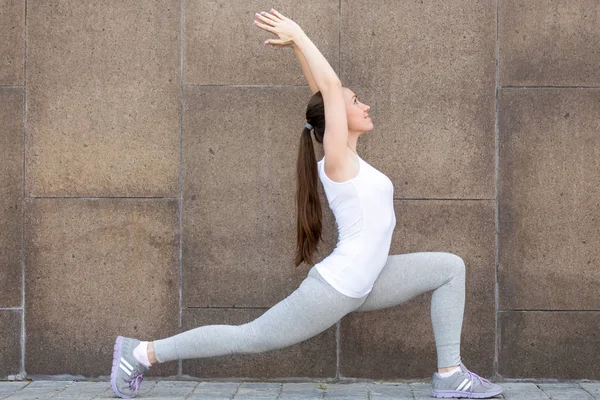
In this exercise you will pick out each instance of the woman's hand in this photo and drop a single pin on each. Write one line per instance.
(286, 30)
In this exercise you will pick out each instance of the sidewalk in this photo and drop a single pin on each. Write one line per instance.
(194, 390)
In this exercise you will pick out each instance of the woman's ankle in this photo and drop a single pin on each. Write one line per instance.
(151, 355)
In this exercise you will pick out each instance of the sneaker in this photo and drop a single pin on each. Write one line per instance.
(127, 372)
(464, 384)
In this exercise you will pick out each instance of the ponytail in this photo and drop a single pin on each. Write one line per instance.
(308, 205)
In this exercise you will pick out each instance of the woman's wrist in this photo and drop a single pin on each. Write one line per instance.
(300, 40)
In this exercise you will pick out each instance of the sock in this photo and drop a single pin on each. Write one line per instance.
(141, 354)
(449, 373)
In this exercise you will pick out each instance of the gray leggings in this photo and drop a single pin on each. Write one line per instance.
(315, 306)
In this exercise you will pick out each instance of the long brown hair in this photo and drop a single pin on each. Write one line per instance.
(308, 205)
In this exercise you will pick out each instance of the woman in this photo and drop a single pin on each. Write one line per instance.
(358, 275)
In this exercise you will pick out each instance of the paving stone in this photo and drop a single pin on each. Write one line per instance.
(186, 390)
(421, 391)
(147, 386)
(214, 391)
(251, 390)
(7, 388)
(593, 388)
(172, 389)
(522, 391)
(305, 391)
(83, 390)
(385, 391)
(565, 391)
(39, 390)
(346, 391)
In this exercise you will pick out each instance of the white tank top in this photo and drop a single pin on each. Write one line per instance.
(364, 213)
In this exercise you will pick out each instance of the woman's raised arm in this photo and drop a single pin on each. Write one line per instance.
(306, 69)
(335, 140)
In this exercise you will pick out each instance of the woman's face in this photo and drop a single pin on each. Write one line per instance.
(357, 113)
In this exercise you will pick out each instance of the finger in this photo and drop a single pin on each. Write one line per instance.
(274, 11)
(265, 27)
(265, 19)
(271, 17)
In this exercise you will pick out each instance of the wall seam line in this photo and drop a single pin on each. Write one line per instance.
(180, 213)
(497, 338)
(22, 372)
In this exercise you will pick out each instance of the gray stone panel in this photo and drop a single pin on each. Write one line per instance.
(96, 269)
(240, 147)
(547, 344)
(12, 45)
(549, 43)
(103, 82)
(427, 69)
(172, 390)
(344, 391)
(11, 195)
(304, 391)
(10, 343)
(398, 342)
(233, 52)
(315, 357)
(565, 391)
(549, 186)
(522, 391)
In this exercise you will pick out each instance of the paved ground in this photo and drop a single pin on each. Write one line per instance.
(180, 390)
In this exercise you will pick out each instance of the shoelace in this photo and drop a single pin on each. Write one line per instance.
(136, 381)
(472, 376)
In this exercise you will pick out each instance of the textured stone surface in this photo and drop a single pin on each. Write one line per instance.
(180, 390)
(96, 269)
(12, 45)
(214, 391)
(545, 344)
(11, 194)
(347, 391)
(523, 391)
(8, 388)
(389, 391)
(565, 391)
(315, 357)
(549, 186)
(240, 147)
(427, 69)
(253, 390)
(83, 391)
(398, 342)
(549, 42)
(10, 342)
(233, 53)
(103, 98)
(175, 390)
(304, 391)
(592, 387)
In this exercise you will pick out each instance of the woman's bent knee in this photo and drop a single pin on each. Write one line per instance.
(456, 264)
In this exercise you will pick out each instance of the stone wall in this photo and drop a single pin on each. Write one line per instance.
(147, 172)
